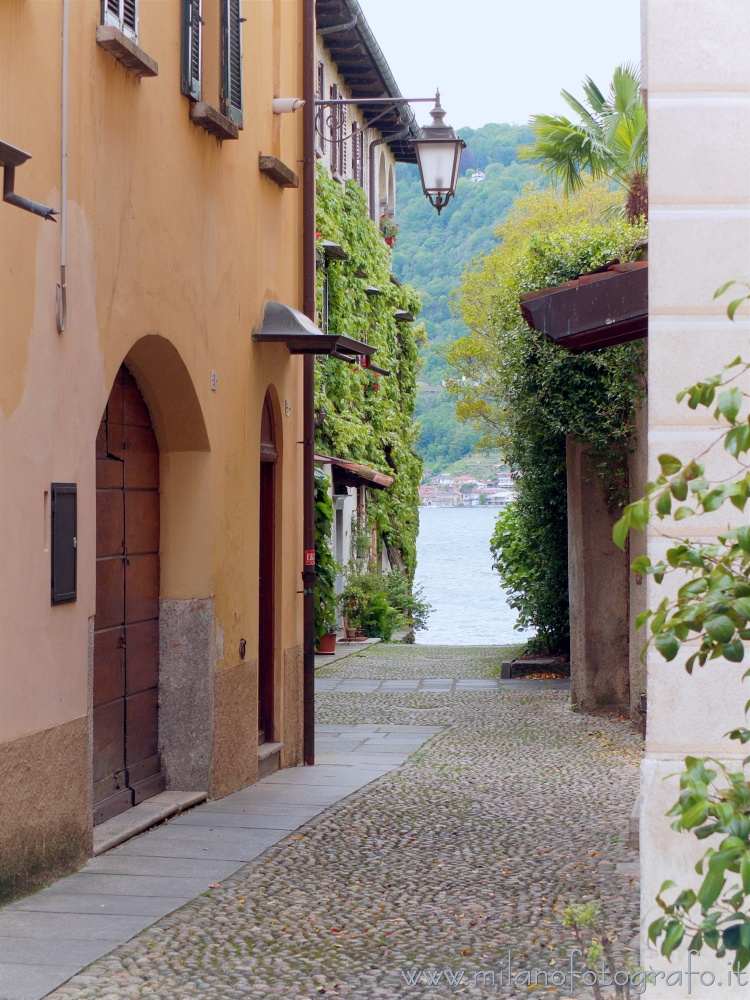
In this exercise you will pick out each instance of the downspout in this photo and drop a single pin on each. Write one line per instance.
(61, 291)
(308, 376)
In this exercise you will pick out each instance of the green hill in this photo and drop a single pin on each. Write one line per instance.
(432, 252)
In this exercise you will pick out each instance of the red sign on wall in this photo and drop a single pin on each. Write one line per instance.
(309, 557)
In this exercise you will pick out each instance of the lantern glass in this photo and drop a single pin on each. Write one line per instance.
(438, 164)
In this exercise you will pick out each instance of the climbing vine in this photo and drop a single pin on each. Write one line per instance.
(368, 417)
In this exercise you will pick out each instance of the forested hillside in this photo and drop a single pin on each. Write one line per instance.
(433, 250)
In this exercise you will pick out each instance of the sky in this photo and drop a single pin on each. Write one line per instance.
(502, 60)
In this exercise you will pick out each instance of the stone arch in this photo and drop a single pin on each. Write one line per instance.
(186, 607)
(391, 190)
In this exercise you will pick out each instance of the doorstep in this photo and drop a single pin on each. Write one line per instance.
(269, 758)
(141, 817)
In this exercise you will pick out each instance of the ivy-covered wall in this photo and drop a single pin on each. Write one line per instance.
(369, 418)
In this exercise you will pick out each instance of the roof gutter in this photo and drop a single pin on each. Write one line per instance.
(380, 61)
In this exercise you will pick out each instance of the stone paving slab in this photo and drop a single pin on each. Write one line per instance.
(47, 901)
(50, 936)
(209, 870)
(29, 982)
(343, 685)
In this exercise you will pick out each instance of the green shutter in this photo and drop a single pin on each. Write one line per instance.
(191, 49)
(231, 52)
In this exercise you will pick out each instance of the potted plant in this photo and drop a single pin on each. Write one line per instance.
(388, 228)
(326, 569)
(365, 606)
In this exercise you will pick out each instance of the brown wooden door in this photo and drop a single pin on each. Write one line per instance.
(127, 766)
(267, 573)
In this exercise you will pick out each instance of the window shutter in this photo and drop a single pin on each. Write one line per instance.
(231, 98)
(130, 17)
(63, 547)
(123, 14)
(334, 117)
(342, 141)
(355, 151)
(191, 48)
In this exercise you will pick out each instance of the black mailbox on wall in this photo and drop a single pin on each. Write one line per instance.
(64, 542)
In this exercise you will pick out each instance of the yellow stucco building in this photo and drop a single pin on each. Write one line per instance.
(151, 527)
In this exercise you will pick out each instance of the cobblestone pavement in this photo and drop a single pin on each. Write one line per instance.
(408, 662)
(472, 849)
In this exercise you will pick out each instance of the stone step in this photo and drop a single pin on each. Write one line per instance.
(269, 758)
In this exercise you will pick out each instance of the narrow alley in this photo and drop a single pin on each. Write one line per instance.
(507, 809)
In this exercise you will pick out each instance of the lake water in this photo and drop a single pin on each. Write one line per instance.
(454, 568)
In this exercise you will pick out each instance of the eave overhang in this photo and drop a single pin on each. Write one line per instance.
(363, 66)
(284, 325)
(607, 307)
(354, 474)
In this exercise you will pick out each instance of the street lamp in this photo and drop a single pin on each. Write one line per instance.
(438, 150)
(437, 146)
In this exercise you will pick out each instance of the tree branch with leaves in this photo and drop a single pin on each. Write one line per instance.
(710, 616)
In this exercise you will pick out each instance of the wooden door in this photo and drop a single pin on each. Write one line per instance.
(267, 573)
(127, 766)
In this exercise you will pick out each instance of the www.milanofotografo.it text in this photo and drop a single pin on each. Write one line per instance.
(506, 974)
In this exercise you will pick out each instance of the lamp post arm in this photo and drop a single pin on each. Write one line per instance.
(395, 101)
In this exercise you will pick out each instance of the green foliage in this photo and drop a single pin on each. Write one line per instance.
(609, 141)
(433, 250)
(368, 417)
(325, 566)
(597, 952)
(709, 810)
(527, 393)
(364, 603)
(381, 604)
(531, 568)
(442, 439)
(408, 601)
(710, 617)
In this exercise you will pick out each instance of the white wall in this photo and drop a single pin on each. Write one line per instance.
(698, 75)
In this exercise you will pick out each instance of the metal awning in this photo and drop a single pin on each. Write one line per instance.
(606, 307)
(284, 325)
(354, 474)
(403, 316)
(331, 250)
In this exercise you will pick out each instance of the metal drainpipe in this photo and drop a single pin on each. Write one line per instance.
(61, 290)
(308, 376)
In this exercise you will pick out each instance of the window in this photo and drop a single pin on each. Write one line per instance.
(191, 49)
(122, 14)
(231, 57)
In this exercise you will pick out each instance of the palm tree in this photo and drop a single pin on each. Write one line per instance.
(610, 140)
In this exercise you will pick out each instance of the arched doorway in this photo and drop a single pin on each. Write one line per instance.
(126, 761)
(267, 574)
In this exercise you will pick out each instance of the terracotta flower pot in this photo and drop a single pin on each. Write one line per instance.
(327, 644)
(390, 240)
